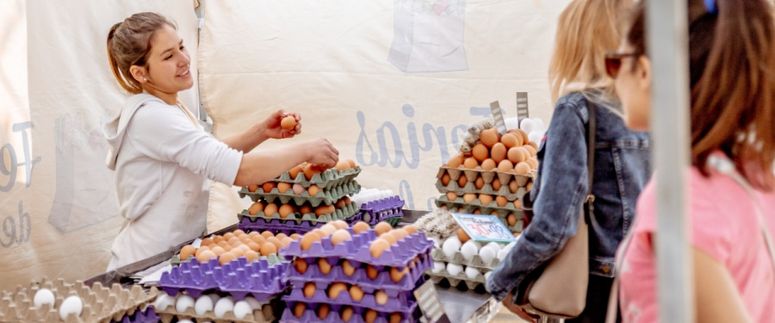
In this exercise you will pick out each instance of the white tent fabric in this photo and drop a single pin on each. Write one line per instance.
(393, 83)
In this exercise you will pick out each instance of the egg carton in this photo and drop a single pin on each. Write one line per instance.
(357, 249)
(327, 196)
(100, 304)
(488, 176)
(518, 226)
(470, 188)
(328, 178)
(477, 204)
(275, 225)
(311, 315)
(397, 301)
(438, 223)
(145, 316)
(238, 278)
(360, 276)
(388, 209)
(298, 218)
(478, 282)
(170, 314)
(476, 261)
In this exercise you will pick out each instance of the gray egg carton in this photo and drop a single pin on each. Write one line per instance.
(488, 176)
(328, 196)
(170, 314)
(455, 280)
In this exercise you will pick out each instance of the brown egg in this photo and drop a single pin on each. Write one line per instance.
(399, 234)
(313, 190)
(283, 187)
(271, 209)
(340, 236)
(268, 187)
(356, 293)
(411, 229)
(348, 268)
(298, 189)
(451, 196)
(445, 179)
(239, 233)
(462, 235)
(525, 138)
(511, 220)
(335, 289)
(328, 229)
(286, 241)
(324, 210)
(496, 184)
(480, 152)
(378, 247)
(382, 227)
(228, 235)
(498, 152)
(390, 238)
(346, 314)
(533, 144)
(267, 234)
(207, 241)
(186, 252)
(522, 168)
(309, 290)
(301, 265)
(372, 272)
(477, 211)
(258, 238)
(341, 203)
(340, 224)
(396, 317)
(226, 258)
(516, 155)
(298, 309)
(533, 162)
(218, 250)
(511, 140)
(225, 245)
(217, 239)
(485, 199)
(518, 204)
(532, 151)
(455, 162)
(488, 165)
(295, 236)
(276, 242)
(324, 266)
(268, 248)
(489, 137)
(462, 181)
(381, 297)
(288, 123)
(501, 201)
(360, 227)
(281, 236)
(529, 186)
(323, 311)
(370, 316)
(513, 186)
(253, 245)
(294, 172)
(253, 188)
(468, 198)
(235, 242)
(252, 256)
(286, 210)
(309, 172)
(506, 166)
(352, 163)
(305, 209)
(342, 166)
(396, 275)
(205, 256)
(470, 163)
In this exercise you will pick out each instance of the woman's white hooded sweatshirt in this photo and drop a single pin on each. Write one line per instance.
(162, 159)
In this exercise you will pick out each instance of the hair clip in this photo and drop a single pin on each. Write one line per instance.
(710, 5)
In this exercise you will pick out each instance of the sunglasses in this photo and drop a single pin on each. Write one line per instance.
(613, 62)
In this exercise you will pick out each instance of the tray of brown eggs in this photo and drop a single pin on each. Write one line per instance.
(307, 175)
(291, 218)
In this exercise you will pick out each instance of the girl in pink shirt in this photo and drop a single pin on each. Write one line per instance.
(732, 73)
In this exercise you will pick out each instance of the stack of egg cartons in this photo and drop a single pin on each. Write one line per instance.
(357, 274)
(377, 205)
(302, 199)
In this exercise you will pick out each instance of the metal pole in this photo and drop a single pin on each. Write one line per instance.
(667, 43)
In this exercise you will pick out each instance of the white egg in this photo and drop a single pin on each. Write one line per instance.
(223, 306)
(503, 253)
(451, 246)
(254, 304)
(163, 301)
(495, 245)
(438, 267)
(214, 297)
(454, 269)
(535, 136)
(487, 275)
(242, 309)
(183, 303)
(539, 123)
(185, 321)
(203, 305)
(469, 250)
(527, 125)
(488, 253)
(43, 296)
(472, 272)
(72, 305)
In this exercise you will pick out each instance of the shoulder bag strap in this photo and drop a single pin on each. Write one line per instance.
(591, 143)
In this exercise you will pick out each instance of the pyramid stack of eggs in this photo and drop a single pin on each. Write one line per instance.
(233, 245)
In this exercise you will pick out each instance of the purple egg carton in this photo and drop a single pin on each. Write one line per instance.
(310, 315)
(326, 248)
(360, 277)
(377, 211)
(146, 316)
(288, 227)
(398, 301)
(238, 278)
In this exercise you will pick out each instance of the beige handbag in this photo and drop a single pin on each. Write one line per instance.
(560, 291)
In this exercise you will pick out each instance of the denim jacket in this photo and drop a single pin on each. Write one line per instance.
(622, 168)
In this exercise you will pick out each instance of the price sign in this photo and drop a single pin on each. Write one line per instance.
(497, 116)
(429, 303)
(522, 107)
(485, 228)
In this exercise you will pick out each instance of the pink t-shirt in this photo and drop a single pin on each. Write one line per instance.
(723, 225)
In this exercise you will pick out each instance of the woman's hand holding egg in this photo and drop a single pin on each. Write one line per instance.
(281, 125)
(320, 153)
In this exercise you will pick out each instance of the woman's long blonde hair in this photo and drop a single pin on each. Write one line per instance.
(586, 31)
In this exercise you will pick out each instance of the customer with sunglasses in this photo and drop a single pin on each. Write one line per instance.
(731, 183)
(586, 30)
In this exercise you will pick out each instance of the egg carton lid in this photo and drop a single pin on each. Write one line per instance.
(330, 177)
(327, 196)
(360, 276)
(470, 188)
(100, 304)
(388, 203)
(487, 176)
(310, 315)
(298, 218)
(399, 303)
(258, 315)
(391, 216)
(438, 223)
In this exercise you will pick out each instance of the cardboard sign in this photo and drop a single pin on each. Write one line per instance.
(484, 228)
(429, 303)
(522, 107)
(497, 116)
